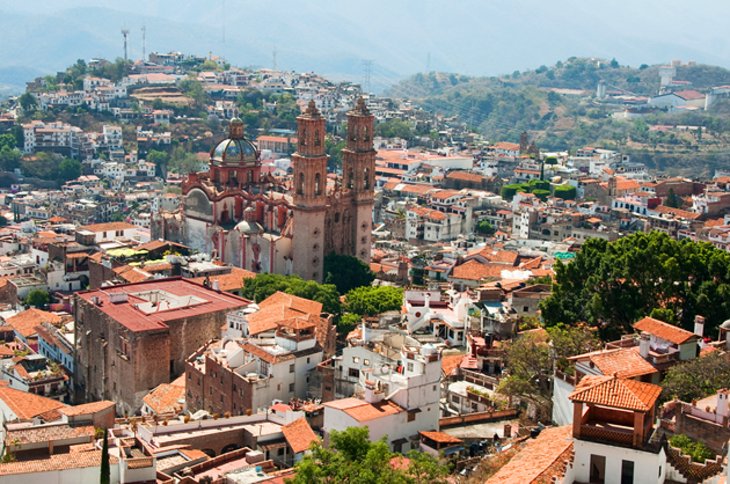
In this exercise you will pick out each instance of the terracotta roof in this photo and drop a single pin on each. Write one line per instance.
(506, 145)
(540, 460)
(27, 405)
(677, 212)
(444, 194)
(25, 322)
(615, 392)
(108, 227)
(363, 411)
(474, 270)
(429, 213)
(47, 433)
(624, 363)
(689, 94)
(264, 355)
(56, 462)
(465, 176)
(233, 281)
(166, 397)
(665, 331)
(297, 303)
(86, 408)
(441, 437)
(449, 363)
(496, 255)
(299, 435)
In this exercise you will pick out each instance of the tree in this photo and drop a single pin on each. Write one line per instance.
(614, 64)
(352, 458)
(569, 341)
(37, 298)
(566, 192)
(371, 301)
(697, 378)
(673, 200)
(509, 191)
(346, 272)
(105, 468)
(484, 227)
(611, 285)
(347, 323)
(529, 371)
(28, 102)
(183, 162)
(10, 158)
(264, 285)
(69, 169)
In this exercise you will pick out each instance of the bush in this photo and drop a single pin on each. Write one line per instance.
(508, 191)
(566, 192)
(370, 301)
(698, 451)
(541, 194)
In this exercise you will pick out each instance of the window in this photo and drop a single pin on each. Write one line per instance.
(366, 362)
(354, 373)
(409, 366)
(317, 184)
(627, 472)
(291, 368)
(307, 359)
(291, 387)
(356, 359)
(525, 309)
(411, 415)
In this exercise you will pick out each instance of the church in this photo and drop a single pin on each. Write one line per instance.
(252, 220)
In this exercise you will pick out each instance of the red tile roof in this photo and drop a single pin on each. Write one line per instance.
(233, 281)
(27, 405)
(25, 322)
(166, 398)
(624, 363)
(665, 331)
(540, 460)
(615, 392)
(299, 435)
(363, 411)
(87, 408)
(474, 270)
(108, 227)
(441, 437)
(449, 363)
(56, 462)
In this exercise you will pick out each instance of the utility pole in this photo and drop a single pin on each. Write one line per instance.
(125, 33)
(273, 63)
(144, 49)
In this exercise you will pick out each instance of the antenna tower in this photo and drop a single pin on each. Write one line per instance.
(273, 63)
(367, 70)
(125, 33)
(144, 49)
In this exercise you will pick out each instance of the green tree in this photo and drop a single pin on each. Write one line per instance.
(352, 458)
(529, 368)
(698, 451)
(194, 90)
(484, 227)
(264, 285)
(183, 162)
(394, 128)
(10, 158)
(673, 200)
(509, 191)
(69, 169)
(347, 323)
(611, 285)
(566, 192)
(346, 272)
(28, 102)
(697, 378)
(37, 298)
(105, 468)
(568, 341)
(371, 301)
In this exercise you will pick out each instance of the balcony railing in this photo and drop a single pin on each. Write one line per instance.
(606, 434)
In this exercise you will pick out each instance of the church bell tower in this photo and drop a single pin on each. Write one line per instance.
(358, 165)
(310, 195)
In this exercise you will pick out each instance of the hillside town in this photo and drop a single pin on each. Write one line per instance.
(182, 246)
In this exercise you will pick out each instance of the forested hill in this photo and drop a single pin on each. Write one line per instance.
(556, 104)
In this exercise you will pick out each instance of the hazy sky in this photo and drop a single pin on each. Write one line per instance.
(400, 37)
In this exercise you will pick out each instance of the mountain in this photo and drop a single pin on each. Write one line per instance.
(472, 37)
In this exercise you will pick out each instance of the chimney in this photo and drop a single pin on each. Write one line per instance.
(722, 409)
(426, 299)
(216, 285)
(699, 325)
(644, 345)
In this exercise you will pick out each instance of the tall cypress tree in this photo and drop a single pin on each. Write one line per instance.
(105, 469)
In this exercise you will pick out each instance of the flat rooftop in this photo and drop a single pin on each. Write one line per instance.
(149, 305)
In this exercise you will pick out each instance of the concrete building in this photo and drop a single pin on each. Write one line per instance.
(131, 338)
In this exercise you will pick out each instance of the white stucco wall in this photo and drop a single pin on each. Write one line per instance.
(648, 467)
(562, 407)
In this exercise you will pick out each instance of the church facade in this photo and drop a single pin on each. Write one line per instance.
(254, 221)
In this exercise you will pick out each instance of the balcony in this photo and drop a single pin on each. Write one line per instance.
(607, 433)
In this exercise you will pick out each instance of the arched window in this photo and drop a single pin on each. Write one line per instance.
(350, 177)
(316, 138)
(303, 137)
(366, 182)
(300, 186)
(317, 184)
(250, 176)
(367, 135)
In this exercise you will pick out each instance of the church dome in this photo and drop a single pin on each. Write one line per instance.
(236, 149)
